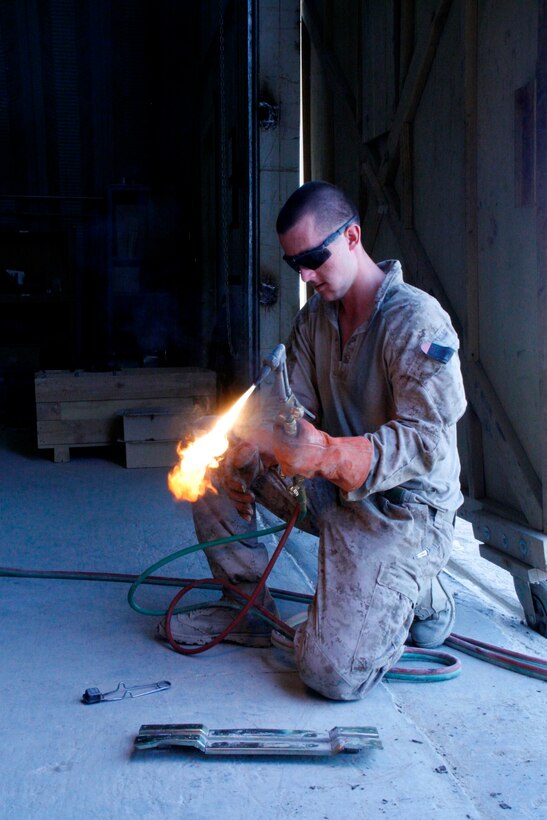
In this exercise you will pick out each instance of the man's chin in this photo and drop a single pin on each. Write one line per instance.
(325, 293)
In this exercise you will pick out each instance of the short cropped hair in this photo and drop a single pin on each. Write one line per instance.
(329, 206)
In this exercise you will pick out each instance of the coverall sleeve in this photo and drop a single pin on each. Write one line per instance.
(423, 372)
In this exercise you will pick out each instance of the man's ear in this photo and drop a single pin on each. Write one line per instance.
(353, 234)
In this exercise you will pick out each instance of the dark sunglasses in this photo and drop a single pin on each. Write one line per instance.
(315, 257)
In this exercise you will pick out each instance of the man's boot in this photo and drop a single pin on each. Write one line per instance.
(200, 626)
(434, 616)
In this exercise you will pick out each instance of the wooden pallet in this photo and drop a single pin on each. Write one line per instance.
(82, 409)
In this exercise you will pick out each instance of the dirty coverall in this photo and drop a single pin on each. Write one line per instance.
(397, 381)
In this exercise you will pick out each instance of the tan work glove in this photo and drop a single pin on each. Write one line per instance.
(343, 460)
(237, 471)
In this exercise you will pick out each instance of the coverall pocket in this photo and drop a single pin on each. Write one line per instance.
(437, 535)
(387, 620)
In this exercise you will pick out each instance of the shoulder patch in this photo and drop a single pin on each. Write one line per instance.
(437, 352)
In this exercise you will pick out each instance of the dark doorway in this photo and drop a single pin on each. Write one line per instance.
(126, 207)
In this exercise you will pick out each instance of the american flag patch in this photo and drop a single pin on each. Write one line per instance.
(437, 352)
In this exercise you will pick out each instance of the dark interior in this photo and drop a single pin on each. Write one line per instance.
(110, 189)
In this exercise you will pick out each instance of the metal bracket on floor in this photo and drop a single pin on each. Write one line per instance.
(348, 740)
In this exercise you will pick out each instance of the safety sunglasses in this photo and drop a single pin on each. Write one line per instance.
(315, 257)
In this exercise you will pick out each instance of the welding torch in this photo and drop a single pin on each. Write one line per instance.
(291, 409)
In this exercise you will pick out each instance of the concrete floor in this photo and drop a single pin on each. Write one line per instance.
(473, 747)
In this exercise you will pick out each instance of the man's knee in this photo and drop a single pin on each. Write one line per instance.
(330, 673)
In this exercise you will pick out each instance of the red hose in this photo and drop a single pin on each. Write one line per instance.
(515, 661)
(182, 650)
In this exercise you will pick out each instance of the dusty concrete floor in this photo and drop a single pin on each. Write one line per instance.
(473, 747)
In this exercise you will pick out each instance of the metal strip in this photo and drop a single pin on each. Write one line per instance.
(340, 739)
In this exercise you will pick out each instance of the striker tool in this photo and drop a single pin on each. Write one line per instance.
(94, 695)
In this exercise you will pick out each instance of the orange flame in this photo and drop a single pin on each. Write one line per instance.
(188, 479)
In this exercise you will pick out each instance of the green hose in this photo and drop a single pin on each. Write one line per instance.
(180, 554)
(449, 665)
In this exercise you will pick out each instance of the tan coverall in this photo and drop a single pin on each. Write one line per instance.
(398, 382)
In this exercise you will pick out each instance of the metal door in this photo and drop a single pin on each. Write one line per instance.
(226, 170)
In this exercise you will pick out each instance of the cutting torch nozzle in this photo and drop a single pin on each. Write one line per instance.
(273, 361)
(292, 409)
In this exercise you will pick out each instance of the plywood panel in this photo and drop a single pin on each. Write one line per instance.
(379, 85)
(449, 188)
(508, 292)
(438, 164)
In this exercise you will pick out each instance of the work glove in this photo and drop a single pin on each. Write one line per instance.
(343, 460)
(237, 471)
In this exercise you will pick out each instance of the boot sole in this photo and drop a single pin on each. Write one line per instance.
(253, 641)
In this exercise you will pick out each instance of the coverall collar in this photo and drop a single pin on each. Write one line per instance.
(393, 277)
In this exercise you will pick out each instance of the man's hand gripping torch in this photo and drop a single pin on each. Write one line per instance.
(302, 450)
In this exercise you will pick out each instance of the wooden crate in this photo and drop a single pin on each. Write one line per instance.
(151, 435)
(150, 454)
(154, 424)
(82, 409)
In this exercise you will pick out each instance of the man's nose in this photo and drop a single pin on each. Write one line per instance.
(306, 274)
